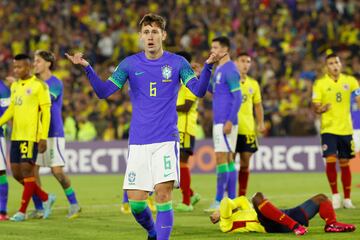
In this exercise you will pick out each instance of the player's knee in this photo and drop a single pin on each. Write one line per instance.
(258, 198)
(320, 198)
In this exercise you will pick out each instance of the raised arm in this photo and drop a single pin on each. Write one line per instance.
(198, 86)
(103, 89)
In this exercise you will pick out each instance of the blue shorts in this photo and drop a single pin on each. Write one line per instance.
(341, 146)
(302, 214)
(23, 151)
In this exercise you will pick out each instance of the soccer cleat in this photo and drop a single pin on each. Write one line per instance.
(48, 204)
(213, 207)
(18, 217)
(195, 199)
(336, 201)
(339, 227)
(74, 211)
(36, 214)
(300, 230)
(125, 208)
(151, 203)
(182, 207)
(4, 217)
(347, 203)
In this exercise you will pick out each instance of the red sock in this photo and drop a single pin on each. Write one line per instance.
(273, 213)
(332, 176)
(346, 179)
(29, 189)
(185, 183)
(41, 194)
(243, 180)
(326, 212)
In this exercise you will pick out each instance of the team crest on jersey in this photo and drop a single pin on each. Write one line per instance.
(28, 91)
(346, 86)
(166, 73)
(324, 147)
(132, 177)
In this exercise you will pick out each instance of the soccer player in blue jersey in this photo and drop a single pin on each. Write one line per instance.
(54, 156)
(226, 104)
(355, 116)
(4, 186)
(154, 76)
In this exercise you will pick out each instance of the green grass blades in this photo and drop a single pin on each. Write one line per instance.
(100, 198)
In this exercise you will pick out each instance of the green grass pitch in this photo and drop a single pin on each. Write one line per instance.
(100, 198)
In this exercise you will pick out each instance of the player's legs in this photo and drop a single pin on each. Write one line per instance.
(138, 183)
(244, 172)
(140, 210)
(231, 140)
(63, 179)
(165, 213)
(269, 215)
(4, 186)
(346, 152)
(223, 149)
(187, 143)
(329, 148)
(246, 145)
(39, 209)
(125, 207)
(322, 205)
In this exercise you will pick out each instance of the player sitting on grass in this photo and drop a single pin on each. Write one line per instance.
(238, 215)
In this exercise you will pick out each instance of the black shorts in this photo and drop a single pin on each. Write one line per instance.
(187, 143)
(23, 151)
(302, 214)
(341, 146)
(246, 143)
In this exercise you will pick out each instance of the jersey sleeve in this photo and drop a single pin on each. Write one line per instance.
(121, 73)
(316, 93)
(233, 80)
(257, 93)
(226, 207)
(355, 86)
(186, 72)
(4, 98)
(44, 95)
(56, 89)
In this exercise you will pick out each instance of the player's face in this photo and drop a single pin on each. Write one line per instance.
(21, 68)
(40, 65)
(152, 37)
(333, 66)
(243, 63)
(217, 49)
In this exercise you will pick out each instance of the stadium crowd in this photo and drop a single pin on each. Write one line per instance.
(287, 40)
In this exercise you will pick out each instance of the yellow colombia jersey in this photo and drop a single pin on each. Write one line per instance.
(251, 95)
(337, 120)
(26, 98)
(243, 220)
(187, 121)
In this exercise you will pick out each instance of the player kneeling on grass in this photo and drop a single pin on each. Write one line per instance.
(238, 215)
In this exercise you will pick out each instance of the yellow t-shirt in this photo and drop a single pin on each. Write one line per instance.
(26, 98)
(251, 95)
(243, 220)
(337, 120)
(187, 121)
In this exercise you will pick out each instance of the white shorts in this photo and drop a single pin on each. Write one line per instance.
(54, 154)
(222, 142)
(356, 137)
(2, 154)
(150, 164)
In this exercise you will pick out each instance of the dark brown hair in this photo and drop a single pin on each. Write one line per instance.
(151, 18)
(47, 56)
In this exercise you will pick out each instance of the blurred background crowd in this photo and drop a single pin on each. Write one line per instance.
(287, 40)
